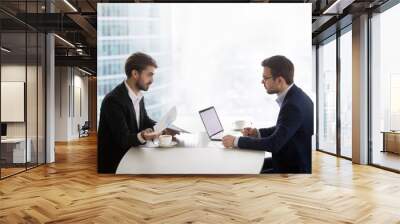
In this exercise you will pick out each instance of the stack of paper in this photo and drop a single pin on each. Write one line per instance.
(167, 120)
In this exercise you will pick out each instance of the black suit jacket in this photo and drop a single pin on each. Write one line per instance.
(290, 139)
(118, 128)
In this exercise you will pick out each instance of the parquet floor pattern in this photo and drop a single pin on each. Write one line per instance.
(71, 191)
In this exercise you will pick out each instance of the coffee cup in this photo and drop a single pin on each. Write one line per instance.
(165, 140)
(239, 124)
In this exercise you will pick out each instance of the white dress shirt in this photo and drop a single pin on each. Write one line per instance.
(136, 106)
(282, 95)
(279, 100)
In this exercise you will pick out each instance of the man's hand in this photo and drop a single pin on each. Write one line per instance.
(149, 134)
(169, 131)
(228, 141)
(250, 132)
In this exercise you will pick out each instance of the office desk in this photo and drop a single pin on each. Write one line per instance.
(13, 150)
(194, 154)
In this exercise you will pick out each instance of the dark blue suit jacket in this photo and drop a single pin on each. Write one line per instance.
(289, 140)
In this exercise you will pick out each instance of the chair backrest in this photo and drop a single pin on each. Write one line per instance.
(86, 124)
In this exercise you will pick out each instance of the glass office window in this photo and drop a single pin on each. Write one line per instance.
(32, 97)
(327, 96)
(35, 88)
(13, 86)
(41, 86)
(346, 94)
(385, 87)
(22, 92)
(200, 64)
(314, 77)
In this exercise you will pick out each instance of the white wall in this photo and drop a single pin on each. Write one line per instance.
(80, 83)
(70, 83)
(16, 73)
(61, 103)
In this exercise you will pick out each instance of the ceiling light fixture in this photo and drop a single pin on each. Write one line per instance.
(84, 71)
(70, 5)
(5, 50)
(337, 7)
(64, 40)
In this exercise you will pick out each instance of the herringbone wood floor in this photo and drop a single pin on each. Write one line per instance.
(70, 191)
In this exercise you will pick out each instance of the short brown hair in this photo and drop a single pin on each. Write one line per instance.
(138, 61)
(280, 66)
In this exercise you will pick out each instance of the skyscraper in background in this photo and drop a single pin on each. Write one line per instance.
(125, 29)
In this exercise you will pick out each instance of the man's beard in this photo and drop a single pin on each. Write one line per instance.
(272, 91)
(142, 86)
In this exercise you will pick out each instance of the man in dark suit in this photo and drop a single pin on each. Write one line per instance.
(289, 140)
(124, 122)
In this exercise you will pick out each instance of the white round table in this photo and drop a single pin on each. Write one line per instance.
(194, 154)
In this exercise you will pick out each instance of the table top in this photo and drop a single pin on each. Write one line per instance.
(194, 154)
(390, 132)
(13, 140)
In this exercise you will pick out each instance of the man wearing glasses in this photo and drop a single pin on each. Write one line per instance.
(289, 141)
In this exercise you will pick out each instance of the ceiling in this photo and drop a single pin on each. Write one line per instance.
(76, 22)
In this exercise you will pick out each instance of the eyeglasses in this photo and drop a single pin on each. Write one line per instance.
(266, 78)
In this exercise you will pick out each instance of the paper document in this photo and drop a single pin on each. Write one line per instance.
(166, 120)
(175, 128)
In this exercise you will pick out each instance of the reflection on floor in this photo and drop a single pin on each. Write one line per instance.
(387, 159)
(10, 169)
(347, 152)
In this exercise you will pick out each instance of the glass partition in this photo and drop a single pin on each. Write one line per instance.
(346, 94)
(327, 96)
(14, 144)
(385, 89)
(22, 90)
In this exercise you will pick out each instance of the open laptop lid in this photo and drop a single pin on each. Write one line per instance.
(211, 121)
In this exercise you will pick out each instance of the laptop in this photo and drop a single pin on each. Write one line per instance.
(212, 124)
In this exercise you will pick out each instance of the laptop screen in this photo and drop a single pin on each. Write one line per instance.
(211, 121)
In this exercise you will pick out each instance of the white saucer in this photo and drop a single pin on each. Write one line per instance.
(173, 143)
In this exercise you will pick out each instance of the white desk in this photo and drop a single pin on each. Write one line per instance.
(19, 155)
(194, 154)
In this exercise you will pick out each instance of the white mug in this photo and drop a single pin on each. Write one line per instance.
(239, 124)
(165, 140)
